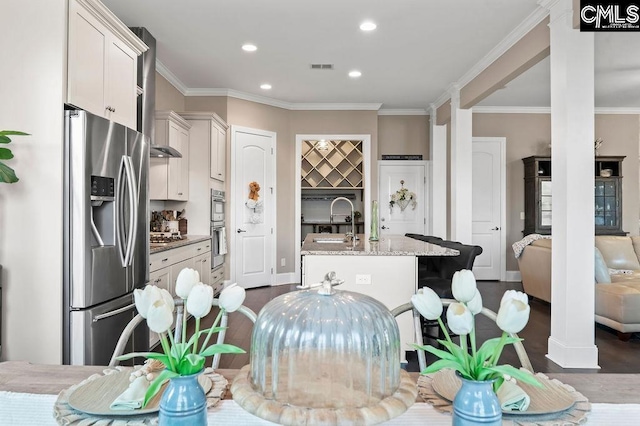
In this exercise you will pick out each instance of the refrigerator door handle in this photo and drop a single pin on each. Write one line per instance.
(121, 237)
(114, 312)
(133, 209)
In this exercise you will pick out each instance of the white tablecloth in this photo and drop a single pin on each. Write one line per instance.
(23, 409)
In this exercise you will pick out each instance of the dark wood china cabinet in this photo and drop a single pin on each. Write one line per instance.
(607, 195)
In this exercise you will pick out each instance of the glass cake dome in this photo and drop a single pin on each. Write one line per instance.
(324, 352)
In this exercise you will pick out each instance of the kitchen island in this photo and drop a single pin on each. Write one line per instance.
(385, 270)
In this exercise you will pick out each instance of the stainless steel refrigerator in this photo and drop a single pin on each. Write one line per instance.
(106, 251)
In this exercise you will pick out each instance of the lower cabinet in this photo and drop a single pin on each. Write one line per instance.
(217, 279)
(165, 266)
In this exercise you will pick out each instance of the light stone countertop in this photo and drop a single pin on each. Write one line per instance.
(185, 241)
(389, 245)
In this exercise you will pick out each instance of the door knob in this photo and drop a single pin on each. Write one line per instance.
(497, 228)
(384, 227)
(240, 230)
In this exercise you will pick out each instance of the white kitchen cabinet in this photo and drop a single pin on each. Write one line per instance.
(211, 131)
(165, 266)
(102, 62)
(169, 177)
(217, 280)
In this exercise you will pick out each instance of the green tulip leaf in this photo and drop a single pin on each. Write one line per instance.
(4, 139)
(522, 375)
(222, 348)
(7, 175)
(440, 353)
(191, 364)
(12, 133)
(156, 385)
(5, 154)
(444, 363)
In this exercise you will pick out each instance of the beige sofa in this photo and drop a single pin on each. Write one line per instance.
(617, 295)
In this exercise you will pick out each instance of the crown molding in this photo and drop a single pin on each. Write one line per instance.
(547, 110)
(510, 110)
(171, 77)
(409, 111)
(336, 107)
(512, 38)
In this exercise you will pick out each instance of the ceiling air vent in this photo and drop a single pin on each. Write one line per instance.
(321, 66)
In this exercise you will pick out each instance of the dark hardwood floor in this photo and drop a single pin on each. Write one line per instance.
(615, 356)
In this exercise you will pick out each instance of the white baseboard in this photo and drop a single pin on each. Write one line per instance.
(513, 276)
(286, 278)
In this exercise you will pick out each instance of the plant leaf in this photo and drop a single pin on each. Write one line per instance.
(522, 375)
(222, 348)
(156, 385)
(437, 352)
(12, 133)
(4, 139)
(151, 355)
(191, 364)
(7, 175)
(444, 363)
(5, 154)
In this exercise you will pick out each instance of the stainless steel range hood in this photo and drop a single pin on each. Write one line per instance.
(164, 151)
(147, 101)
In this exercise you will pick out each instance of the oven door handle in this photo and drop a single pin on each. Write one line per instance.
(114, 312)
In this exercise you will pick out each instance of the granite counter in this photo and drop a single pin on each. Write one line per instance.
(388, 245)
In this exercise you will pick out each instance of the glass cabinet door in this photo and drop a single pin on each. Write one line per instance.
(545, 203)
(606, 203)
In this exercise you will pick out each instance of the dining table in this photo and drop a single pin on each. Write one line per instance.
(28, 392)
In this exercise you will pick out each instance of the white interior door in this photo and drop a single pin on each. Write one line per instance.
(253, 251)
(487, 206)
(393, 176)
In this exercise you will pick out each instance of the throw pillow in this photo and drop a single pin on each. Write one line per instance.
(601, 271)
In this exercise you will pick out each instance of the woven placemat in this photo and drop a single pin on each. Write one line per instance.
(574, 416)
(65, 415)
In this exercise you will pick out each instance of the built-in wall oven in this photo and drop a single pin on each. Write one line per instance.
(218, 232)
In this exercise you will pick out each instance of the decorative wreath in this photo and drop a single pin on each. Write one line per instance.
(254, 203)
(403, 197)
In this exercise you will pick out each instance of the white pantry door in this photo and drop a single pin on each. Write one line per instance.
(487, 207)
(394, 220)
(253, 228)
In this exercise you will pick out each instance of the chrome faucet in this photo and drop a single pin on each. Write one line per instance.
(353, 225)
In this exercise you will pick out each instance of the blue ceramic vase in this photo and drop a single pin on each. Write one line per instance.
(476, 404)
(183, 402)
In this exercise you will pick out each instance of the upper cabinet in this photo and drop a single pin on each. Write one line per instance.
(212, 132)
(169, 177)
(332, 164)
(607, 195)
(102, 62)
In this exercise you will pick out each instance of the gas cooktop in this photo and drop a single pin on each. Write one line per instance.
(164, 237)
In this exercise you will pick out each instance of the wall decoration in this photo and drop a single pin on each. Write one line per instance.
(254, 204)
(403, 197)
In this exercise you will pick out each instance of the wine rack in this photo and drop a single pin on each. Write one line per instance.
(337, 164)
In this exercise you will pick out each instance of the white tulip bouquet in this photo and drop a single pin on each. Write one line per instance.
(184, 357)
(480, 364)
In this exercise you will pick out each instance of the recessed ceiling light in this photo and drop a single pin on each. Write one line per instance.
(249, 47)
(368, 26)
(265, 86)
(354, 74)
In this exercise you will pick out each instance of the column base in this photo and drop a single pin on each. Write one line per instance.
(573, 356)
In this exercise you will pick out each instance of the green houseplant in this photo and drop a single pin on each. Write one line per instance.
(7, 175)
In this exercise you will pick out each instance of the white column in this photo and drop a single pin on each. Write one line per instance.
(461, 161)
(438, 177)
(571, 344)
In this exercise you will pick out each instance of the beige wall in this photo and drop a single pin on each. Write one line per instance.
(530, 134)
(217, 104)
(403, 134)
(168, 98)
